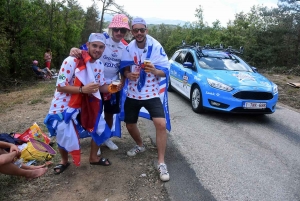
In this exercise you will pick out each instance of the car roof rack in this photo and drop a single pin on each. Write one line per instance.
(199, 48)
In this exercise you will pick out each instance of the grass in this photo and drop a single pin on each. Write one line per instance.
(31, 94)
(35, 101)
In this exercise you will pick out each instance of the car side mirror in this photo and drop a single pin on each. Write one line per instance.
(188, 64)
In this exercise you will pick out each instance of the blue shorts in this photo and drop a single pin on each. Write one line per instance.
(132, 108)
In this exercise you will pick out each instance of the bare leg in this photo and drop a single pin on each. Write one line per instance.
(11, 169)
(109, 119)
(49, 72)
(135, 133)
(32, 167)
(161, 138)
(64, 157)
(93, 154)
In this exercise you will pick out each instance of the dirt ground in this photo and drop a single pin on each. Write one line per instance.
(128, 178)
(288, 96)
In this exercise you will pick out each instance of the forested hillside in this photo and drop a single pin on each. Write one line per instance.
(270, 36)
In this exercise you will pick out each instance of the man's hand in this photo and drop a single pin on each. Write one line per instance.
(75, 52)
(133, 76)
(90, 88)
(150, 68)
(14, 148)
(120, 86)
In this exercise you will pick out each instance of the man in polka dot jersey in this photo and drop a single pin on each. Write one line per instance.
(144, 64)
(65, 88)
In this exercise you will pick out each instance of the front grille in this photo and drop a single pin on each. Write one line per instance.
(252, 111)
(253, 95)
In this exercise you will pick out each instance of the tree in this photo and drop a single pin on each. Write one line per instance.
(290, 16)
(110, 7)
(199, 15)
(28, 27)
(91, 23)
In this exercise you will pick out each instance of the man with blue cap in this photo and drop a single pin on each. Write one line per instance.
(146, 67)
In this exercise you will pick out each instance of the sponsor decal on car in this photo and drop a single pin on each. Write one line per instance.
(243, 76)
(210, 93)
(197, 78)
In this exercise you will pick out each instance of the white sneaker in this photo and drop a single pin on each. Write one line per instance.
(163, 172)
(111, 145)
(136, 149)
(99, 152)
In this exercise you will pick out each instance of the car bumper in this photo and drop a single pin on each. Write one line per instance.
(226, 102)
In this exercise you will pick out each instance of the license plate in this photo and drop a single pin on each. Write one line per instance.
(249, 105)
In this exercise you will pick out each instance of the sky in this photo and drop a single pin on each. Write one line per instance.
(223, 10)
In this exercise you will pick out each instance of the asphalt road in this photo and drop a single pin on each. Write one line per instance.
(217, 156)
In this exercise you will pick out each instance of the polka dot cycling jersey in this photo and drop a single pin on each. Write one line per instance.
(66, 77)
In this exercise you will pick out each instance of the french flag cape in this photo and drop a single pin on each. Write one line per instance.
(73, 130)
(156, 54)
(116, 126)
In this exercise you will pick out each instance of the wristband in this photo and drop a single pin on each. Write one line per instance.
(80, 89)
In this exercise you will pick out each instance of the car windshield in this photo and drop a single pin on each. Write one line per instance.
(216, 60)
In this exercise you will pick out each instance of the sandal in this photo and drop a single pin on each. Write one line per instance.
(60, 168)
(102, 161)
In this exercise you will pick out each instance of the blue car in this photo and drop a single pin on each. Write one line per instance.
(217, 79)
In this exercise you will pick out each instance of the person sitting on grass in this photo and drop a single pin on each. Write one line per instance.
(8, 167)
(45, 72)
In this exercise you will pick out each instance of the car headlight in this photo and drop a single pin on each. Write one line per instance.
(219, 85)
(275, 89)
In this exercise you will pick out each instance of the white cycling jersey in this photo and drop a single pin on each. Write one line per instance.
(111, 58)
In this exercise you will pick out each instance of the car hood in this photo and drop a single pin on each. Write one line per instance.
(239, 78)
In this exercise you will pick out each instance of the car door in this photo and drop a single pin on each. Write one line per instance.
(177, 70)
(188, 74)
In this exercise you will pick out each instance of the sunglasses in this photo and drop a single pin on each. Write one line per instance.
(142, 30)
(122, 30)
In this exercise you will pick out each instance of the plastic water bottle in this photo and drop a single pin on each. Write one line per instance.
(19, 162)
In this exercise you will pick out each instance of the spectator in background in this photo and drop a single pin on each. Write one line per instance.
(45, 72)
(48, 57)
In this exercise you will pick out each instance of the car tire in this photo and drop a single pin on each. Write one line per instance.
(170, 89)
(196, 100)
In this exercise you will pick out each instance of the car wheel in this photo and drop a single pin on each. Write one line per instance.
(170, 89)
(196, 100)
